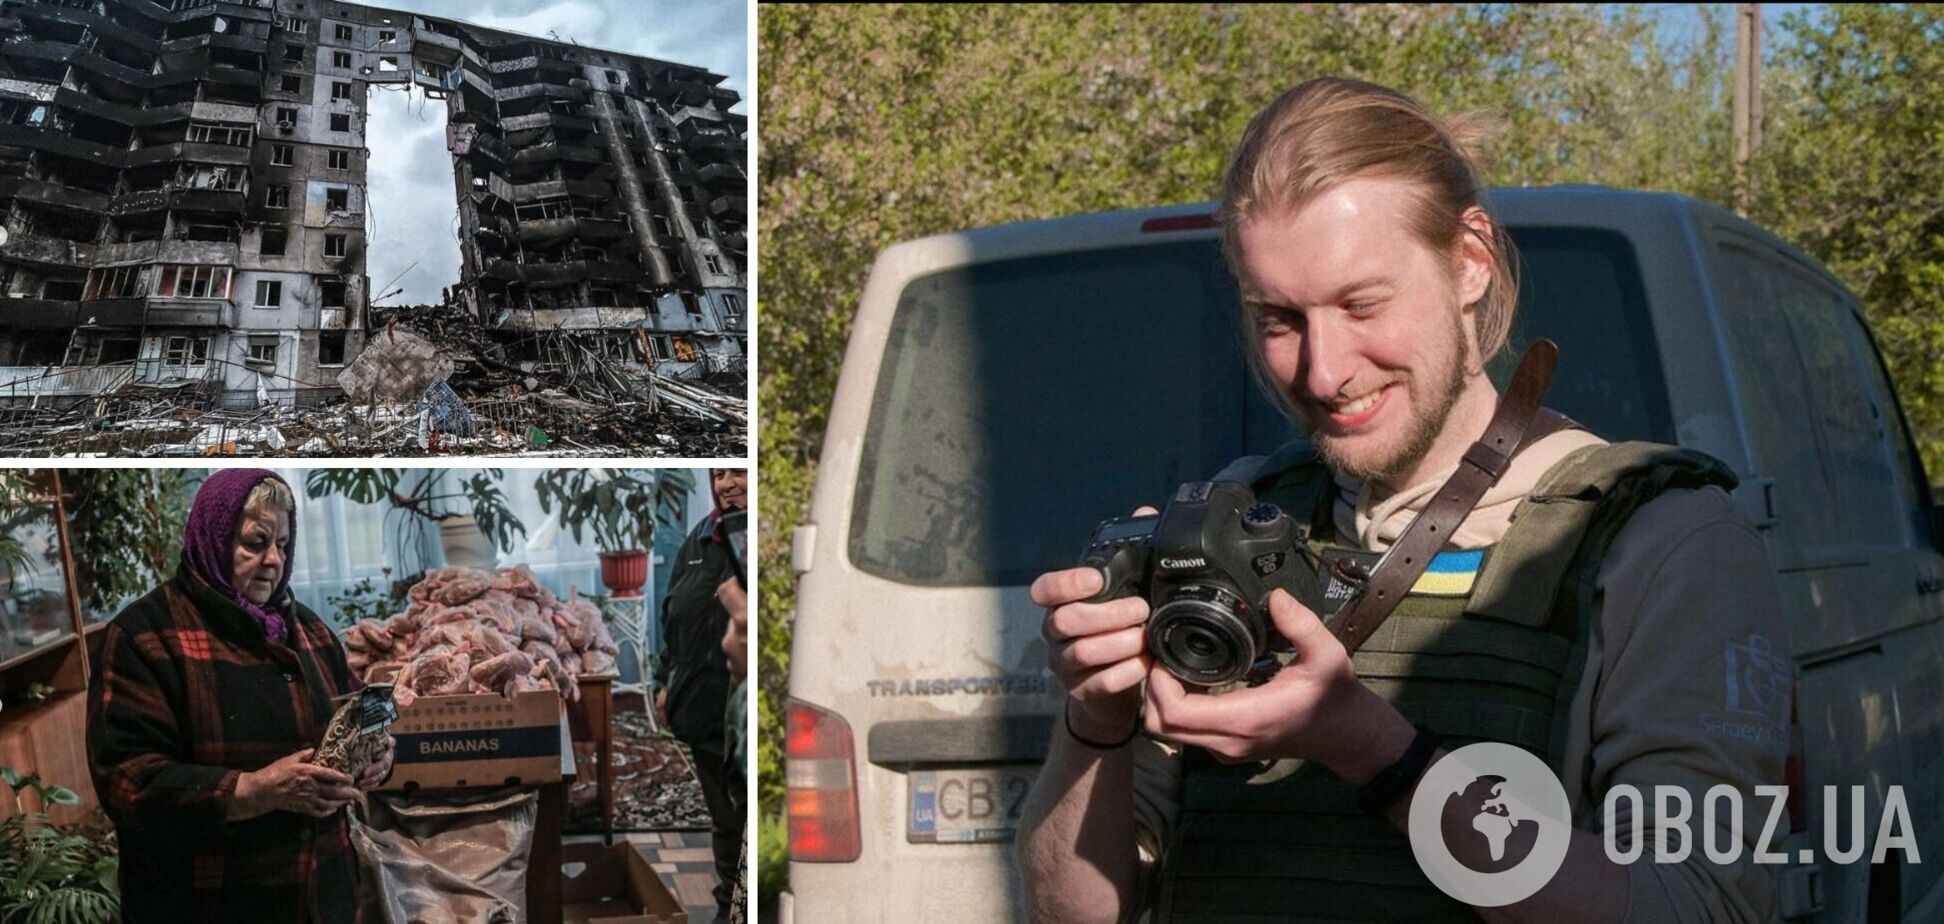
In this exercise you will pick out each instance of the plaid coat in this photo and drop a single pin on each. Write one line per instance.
(187, 695)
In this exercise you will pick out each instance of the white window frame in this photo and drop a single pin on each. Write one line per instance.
(283, 155)
(342, 242)
(276, 196)
(273, 289)
(338, 159)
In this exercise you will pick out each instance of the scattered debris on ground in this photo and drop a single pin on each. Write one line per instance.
(654, 784)
(428, 383)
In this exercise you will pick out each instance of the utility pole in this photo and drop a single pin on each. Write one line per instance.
(1748, 97)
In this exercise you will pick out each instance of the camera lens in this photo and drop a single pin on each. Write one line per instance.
(1199, 637)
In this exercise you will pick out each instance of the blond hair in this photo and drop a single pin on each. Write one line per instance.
(1326, 131)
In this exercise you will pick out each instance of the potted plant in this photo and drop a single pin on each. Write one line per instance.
(48, 873)
(470, 535)
(619, 509)
(125, 527)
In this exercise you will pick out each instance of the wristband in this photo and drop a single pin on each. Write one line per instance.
(1377, 795)
(1067, 713)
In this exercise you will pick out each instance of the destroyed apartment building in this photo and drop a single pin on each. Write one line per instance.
(183, 195)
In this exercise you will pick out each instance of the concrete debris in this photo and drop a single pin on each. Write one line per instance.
(421, 387)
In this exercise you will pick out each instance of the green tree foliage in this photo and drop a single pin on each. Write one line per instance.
(1852, 171)
(880, 124)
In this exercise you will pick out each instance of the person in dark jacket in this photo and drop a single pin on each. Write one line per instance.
(211, 692)
(692, 679)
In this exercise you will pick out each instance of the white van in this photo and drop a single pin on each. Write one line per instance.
(1006, 388)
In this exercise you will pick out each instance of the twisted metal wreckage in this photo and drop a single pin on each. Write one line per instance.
(183, 216)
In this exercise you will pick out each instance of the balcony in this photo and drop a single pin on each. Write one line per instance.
(722, 177)
(53, 194)
(729, 207)
(30, 382)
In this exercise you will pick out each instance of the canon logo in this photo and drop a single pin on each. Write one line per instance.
(1184, 562)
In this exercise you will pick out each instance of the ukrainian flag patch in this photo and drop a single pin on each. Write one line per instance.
(1451, 574)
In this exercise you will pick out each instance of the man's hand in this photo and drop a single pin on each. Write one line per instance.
(1314, 708)
(1097, 650)
(735, 636)
(375, 772)
(292, 784)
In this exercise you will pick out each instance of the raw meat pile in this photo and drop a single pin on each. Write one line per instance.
(473, 631)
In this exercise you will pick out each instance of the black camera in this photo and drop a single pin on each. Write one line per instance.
(1206, 565)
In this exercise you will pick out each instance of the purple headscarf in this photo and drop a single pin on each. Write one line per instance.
(209, 542)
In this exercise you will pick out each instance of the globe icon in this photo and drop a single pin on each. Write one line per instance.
(1485, 833)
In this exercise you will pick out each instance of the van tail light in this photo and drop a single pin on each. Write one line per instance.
(1792, 772)
(820, 776)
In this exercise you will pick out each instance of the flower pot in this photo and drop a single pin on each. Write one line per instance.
(624, 572)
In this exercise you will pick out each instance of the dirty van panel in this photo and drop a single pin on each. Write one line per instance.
(1022, 400)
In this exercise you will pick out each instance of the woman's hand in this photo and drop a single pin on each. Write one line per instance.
(376, 771)
(291, 785)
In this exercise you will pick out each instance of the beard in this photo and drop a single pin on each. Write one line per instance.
(1429, 412)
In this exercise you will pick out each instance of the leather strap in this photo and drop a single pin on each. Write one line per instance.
(1484, 463)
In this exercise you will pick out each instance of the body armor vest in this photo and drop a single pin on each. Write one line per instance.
(1489, 645)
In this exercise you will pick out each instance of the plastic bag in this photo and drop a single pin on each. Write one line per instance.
(456, 858)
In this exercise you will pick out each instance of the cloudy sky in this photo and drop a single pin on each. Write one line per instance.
(412, 216)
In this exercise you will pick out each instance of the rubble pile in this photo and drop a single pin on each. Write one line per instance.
(474, 631)
(427, 383)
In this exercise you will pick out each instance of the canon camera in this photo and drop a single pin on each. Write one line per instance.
(1206, 564)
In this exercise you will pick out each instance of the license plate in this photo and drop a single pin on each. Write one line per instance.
(966, 806)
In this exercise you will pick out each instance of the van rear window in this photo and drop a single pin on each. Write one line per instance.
(1022, 401)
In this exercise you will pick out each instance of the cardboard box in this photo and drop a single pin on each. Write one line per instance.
(479, 739)
(614, 885)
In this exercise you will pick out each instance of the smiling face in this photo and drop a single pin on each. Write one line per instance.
(1368, 332)
(732, 486)
(261, 555)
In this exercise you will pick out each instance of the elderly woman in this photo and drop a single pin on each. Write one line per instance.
(209, 695)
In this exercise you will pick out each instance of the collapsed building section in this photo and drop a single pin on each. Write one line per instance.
(183, 198)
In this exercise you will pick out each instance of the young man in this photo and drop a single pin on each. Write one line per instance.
(1375, 288)
(693, 678)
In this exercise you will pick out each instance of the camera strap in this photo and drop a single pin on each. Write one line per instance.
(1512, 428)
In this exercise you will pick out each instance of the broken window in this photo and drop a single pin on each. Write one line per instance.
(185, 351)
(296, 26)
(340, 159)
(286, 117)
(276, 197)
(292, 84)
(114, 282)
(235, 133)
(340, 89)
(65, 290)
(340, 122)
(613, 77)
(193, 282)
(334, 245)
(333, 292)
(263, 351)
(294, 54)
(731, 308)
(199, 176)
(713, 262)
(341, 59)
(337, 200)
(282, 155)
(269, 293)
(343, 32)
(692, 305)
(388, 65)
(386, 35)
(330, 348)
(662, 350)
(274, 241)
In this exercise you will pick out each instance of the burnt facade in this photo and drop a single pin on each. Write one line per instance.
(182, 188)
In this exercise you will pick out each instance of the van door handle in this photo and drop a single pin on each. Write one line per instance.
(1756, 499)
